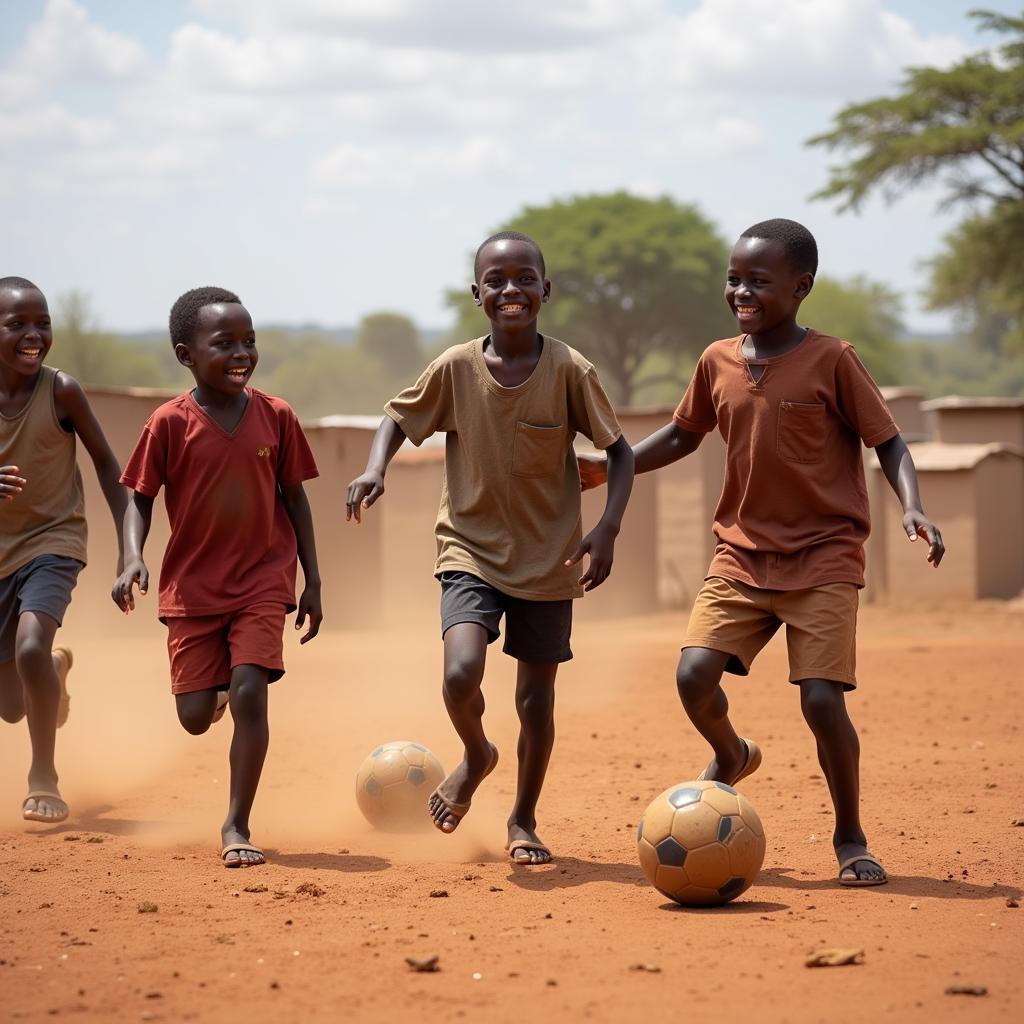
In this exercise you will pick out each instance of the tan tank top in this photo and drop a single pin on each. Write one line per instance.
(48, 517)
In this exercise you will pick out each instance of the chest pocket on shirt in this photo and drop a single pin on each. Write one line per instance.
(537, 451)
(802, 429)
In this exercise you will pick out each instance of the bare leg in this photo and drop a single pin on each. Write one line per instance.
(247, 701)
(465, 653)
(824, 706)
(12, 693)
(698, 679)
(33, 659)
(535, 702)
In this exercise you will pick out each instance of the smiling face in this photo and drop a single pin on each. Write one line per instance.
(25, 331)
(222, 354)
(762, 288)
(511, 286)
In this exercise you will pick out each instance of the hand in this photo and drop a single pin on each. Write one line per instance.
(362, 493)
(600, 542)
(917, 524)
(593, 471)
(309, 604)
(10, 483)
(134, 572)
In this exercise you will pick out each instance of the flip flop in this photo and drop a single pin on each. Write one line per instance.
(35, 815)
(241, 848)
(527, 844)
(455, 809)
(752, 763)
(66, 659)
(856, 882)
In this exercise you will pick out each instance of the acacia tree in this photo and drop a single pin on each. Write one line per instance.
(965, 123)
(391, 340)
(630, 277)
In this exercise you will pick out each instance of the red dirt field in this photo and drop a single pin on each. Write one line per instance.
(939, 715)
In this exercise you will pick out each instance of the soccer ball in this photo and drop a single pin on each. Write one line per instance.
(393, 784)
(700, 843)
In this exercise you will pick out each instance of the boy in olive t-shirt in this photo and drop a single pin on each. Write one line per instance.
(508, 529)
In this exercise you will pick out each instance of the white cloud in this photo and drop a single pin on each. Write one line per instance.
(52, 125)
(66, 44)
(753, 48)
(391, 165)
(452, 25)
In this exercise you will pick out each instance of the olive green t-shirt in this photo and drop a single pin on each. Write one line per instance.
(48, 517)
(510, 502)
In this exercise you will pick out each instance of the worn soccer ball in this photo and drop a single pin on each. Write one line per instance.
(393, 784)
(700, 843)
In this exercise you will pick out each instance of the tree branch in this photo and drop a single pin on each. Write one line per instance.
(1001, 171)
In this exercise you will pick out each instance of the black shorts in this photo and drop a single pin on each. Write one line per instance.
(536, 631)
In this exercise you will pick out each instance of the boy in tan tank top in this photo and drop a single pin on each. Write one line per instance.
(42, 528)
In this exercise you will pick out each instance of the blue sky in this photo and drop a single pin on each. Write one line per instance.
(329, 158)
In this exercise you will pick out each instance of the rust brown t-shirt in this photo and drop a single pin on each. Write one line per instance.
(510, 503)
(794, 507)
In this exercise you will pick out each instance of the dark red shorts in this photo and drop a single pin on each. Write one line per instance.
(204, 649)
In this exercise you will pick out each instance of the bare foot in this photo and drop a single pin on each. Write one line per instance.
(249, 857)
(525, 846)
(449, 803)
(860, 868)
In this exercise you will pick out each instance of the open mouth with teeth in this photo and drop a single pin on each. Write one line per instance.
(239, 374)
(745, 312)
(30, 353)
(511, 307)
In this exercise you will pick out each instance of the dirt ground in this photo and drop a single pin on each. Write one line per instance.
(940, 723)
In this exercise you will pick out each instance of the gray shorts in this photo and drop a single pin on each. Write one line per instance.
(42, 585)
(534, 630)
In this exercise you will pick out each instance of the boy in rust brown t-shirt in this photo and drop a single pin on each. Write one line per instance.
(794, 407)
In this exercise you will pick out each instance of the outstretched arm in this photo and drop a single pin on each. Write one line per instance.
(296, 504)
(898, 467)
(366, 489)
(662, 448)
(74, 406)
(600, 542)
(137, 520)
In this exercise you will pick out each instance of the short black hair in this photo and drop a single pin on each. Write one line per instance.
(19, 284)
(185, 312)
(508, 236)
(798, 244)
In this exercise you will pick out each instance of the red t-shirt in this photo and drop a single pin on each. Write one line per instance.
(232, 544)
(793, 513)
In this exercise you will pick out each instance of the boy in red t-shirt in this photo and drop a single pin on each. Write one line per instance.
(232, 460)
(794, 407)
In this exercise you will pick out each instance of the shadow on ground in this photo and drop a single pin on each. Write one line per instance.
(569, 872)
(93, 820)
(352, 863)
(898, 885)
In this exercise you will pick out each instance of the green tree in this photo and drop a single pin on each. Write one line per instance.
(967, 123)
(392, 341)
(864, 313)
(93, 356)
(630, 278)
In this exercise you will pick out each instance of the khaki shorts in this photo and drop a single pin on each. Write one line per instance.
(821, 627)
